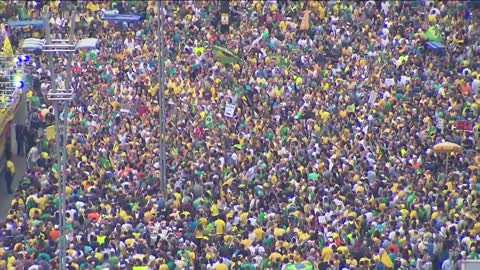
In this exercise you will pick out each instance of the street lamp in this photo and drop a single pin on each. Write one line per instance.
(67, 47)
(161, 96)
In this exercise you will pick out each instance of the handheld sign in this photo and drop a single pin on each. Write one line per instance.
(229, 110)
(372, 98)
(464, 125)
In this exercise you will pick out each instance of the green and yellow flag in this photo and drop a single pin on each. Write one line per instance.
(386, 261)
(433, 34)
(56, 170)
(225, 56)
(281, 60)
(351, 108)
(297, 266)
(208, 120)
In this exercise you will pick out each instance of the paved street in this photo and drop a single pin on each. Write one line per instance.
(5, 198)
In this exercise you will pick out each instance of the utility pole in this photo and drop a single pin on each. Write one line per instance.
(61, 96)
(53, 86)
(161, 95)
(63, 195)
(56, 108)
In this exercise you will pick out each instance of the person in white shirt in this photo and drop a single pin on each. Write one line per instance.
(448, 264)
(475, 86)
(33, 156)
(129, 43)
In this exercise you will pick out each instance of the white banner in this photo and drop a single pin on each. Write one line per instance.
(372, 98)
(229, 110)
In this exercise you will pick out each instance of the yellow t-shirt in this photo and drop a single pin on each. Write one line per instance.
(42, 202)
(220, 226)
(221, 266)
(10, 167)
(243, 218)
(275, 257)
(70, 148)
(283, 26)
(129, 242)
(246, 242)
(93, 7)
(327, 253)
(258, 234)
(33, 210)
(214, 210)
(278, 232)
(99, 256)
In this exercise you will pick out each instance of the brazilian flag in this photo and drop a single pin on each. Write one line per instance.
(433, 34)
(56, 170)
(225, 56)
(280, 60)
(297, 266)
(208, 120)
(351, 108)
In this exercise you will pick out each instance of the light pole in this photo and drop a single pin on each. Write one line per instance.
(61, 97)
(161, 96)
(58, 96)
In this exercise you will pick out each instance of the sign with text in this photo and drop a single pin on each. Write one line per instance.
(229, 110)
(464, 125)
(224, 18)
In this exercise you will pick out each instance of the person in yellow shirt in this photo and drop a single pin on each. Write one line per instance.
(10, 175)
(221, 265)
(258, 234)
(214, 209)
(243, 218)
(327, 253)
(220, 226)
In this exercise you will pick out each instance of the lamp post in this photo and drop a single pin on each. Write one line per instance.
(161, 95)
(61, 97)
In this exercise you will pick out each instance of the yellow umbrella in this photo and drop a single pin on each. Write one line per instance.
(447, 147)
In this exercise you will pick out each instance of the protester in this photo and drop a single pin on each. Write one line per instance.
(302, 136)
(10, 174)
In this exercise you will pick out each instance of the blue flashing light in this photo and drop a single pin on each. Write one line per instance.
(22, 59)
(19, 84)
(25, 58)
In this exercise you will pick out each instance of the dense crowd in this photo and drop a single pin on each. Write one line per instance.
(326, 161)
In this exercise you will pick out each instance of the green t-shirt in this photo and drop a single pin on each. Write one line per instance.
(247, 266)
(113, 260)
(44, 145)
(313, 176)
(35, 102)
(268, 241)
